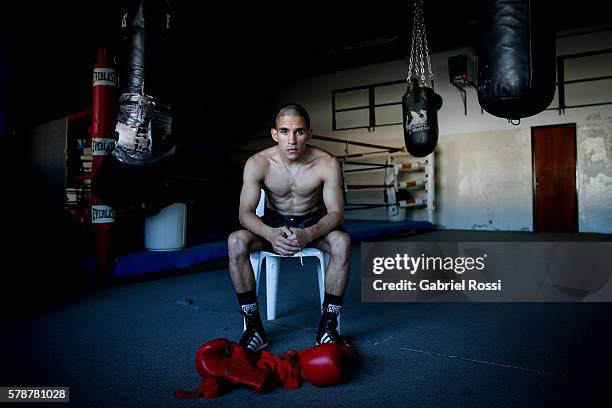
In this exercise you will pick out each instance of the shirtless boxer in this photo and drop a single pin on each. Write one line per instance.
(304, 206)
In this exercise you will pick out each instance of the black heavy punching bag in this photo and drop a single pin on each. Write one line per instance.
(516, 75)
(420, 105)
(136, 171)
(144, 126)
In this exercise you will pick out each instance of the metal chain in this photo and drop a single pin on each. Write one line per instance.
(412, 51)
(427, 53)
(421, 42)
(421, 59)
(419, 49)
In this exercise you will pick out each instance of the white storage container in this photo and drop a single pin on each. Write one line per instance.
(167, 230)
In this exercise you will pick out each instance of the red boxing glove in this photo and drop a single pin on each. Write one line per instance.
(211, 388)
(285, 367)
(223, 359)
(326, 364)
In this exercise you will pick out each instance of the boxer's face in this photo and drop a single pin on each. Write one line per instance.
(291, 136)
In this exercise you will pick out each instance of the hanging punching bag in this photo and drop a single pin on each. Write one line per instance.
(144, 124)
(516, 75)
(136, 173)
(420, 105)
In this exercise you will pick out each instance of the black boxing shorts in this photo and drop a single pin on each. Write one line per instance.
(276, 220)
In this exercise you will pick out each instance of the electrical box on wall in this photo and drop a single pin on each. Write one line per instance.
(461, 68)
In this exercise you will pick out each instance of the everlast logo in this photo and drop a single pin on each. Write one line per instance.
(101, 146)
(105, 76)
(102, 213)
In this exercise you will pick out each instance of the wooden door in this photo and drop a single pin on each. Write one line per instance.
(555, 201)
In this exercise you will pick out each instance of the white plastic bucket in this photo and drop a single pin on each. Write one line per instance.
(166, 231)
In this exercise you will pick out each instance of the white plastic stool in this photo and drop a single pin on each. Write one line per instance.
(273, 267)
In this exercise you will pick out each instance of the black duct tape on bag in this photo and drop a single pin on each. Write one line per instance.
(144, 126)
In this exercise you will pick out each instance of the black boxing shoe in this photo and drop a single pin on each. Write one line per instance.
(254, 337)
(328, 329)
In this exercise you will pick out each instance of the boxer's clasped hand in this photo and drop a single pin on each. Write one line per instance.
(300, 236)
(282, 244)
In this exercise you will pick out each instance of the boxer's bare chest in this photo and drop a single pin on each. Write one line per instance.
(294, 189)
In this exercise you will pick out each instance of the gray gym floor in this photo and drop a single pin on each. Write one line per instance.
(134, 344)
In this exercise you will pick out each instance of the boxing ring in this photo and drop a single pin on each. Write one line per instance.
(214, 253)
(391, 167)
(398, 193)
(394, 164)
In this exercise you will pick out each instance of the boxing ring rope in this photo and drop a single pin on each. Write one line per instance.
(388, 149)
(371, 167)
(413, 184)
(392, 185)
(79, 115)
(356, 155)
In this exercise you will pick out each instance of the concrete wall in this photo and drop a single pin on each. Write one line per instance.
(483, 166)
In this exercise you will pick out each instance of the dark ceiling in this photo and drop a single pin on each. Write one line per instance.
(296, 39)
(229, 51)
